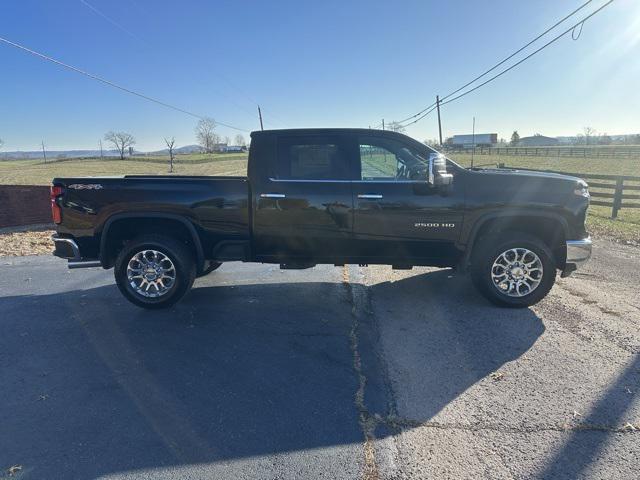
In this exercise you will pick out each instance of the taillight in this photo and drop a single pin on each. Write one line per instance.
(56, 211)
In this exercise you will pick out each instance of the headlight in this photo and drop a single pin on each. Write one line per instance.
(582, 189)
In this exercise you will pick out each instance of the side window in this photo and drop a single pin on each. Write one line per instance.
(383, 159)
(377, 163)
(311, 158)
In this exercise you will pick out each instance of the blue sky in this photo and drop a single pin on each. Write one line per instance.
(329, 63)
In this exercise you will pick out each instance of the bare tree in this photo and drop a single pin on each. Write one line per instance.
(227, 140)
(121, 140)
(170, 144)
(395, 127)
(240, 141)
(588, 133)
(1, 142)
(206, 135)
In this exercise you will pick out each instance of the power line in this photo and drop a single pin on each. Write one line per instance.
(417, 114)
(424, 111)
(558, 37)
(423, 115)
(109, 19)
(112, 84)
(499, 63)
(221, 75)
(519, 50)
(570, 29)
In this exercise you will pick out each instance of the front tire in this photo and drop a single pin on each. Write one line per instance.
(154, 271)
(514, 270)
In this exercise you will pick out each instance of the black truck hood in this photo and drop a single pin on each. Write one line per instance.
(531, 174)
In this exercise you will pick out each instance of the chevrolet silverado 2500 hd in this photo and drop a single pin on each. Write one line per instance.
(331, 196)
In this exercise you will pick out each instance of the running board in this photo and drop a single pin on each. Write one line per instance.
(81, 264)
(296, 266)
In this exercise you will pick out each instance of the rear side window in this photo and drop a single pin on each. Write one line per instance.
(312, 158)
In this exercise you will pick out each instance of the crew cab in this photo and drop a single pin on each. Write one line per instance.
(328, 196)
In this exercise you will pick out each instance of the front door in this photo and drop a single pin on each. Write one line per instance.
(304, 210)
(398, 217)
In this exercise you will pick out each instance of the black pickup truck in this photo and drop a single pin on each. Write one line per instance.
(328, 196)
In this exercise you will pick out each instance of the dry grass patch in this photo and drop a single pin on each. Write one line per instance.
(26, 243)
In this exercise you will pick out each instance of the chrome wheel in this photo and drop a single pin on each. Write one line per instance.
(151, 273)
(516, 272)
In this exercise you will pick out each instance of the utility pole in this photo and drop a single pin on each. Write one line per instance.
(260, 115)
(473, 140)
(383, 123)
(101, 149)
(439, 123)
(44, 154)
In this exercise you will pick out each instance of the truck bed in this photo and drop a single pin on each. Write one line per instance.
(216, 206)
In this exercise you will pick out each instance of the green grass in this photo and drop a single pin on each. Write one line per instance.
(35, 172)
(610, 166)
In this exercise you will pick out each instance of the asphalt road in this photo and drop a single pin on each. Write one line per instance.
(331, 372)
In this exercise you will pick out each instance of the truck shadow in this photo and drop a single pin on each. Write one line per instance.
(95, 386)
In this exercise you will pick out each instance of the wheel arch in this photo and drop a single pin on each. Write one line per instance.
(551, 228)
(140, 223)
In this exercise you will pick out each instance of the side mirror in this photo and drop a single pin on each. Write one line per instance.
(438, 176)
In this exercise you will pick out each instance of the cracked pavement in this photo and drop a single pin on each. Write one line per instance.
(324, 373)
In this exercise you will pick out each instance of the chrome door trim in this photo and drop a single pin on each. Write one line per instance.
(289, 180)
(273, 195)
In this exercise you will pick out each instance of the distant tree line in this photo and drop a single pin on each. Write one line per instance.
(205, 132)
(208, 138)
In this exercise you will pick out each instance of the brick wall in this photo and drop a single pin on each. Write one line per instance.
(24, 205)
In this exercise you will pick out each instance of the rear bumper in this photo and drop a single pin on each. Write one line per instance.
(578, 253)
(68, 249)
(65, 248)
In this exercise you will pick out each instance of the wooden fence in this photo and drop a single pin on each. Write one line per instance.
(620, 190)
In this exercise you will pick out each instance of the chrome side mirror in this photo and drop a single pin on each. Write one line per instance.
(438, 175)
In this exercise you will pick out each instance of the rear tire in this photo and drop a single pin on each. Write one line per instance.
(513, 270)
(154, 271)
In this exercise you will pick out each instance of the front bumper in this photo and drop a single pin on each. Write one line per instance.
(68, 249)
(578, 253)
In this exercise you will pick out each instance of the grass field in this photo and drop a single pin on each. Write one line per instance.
(35, 172)
(610, 166)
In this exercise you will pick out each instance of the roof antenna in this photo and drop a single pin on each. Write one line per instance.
(260, 115)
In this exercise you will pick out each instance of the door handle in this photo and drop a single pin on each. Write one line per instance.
(272, 195)
(370, 196)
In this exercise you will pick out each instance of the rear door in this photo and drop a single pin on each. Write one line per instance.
(398, 217)
(304, 209)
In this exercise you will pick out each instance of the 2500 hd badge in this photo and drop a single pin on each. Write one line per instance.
(434, 225)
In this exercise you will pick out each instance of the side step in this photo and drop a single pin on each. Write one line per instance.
(85, 264)
(296, 266)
